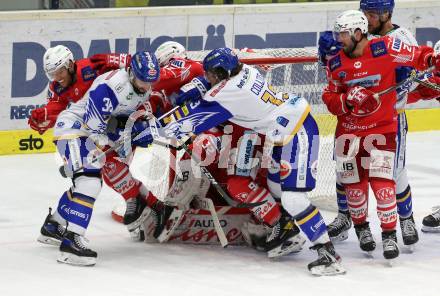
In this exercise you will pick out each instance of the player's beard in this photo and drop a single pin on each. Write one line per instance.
(348, 49)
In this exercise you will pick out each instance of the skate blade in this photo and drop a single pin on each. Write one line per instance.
(293, 245)
(47, 240)
(430, 229)
(137, 234)
(137, 223)
(410, 248)
(368, 254)
(333, 269)
(390, 262)
(75, 260)
(176, 217)
(340, 237)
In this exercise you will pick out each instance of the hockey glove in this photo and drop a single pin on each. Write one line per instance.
(361, 101)
(40, 120)
(111, 61)
(327, 47)
(159, 103)
(192, 91)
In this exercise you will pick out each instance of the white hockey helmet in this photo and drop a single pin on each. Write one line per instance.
(168, 50)
(349, 21)
(55, 58)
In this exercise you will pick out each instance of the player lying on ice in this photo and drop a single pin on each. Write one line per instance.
(367, 122)
(241, 95)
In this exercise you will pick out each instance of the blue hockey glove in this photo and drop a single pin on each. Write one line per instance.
(327, 47)
(192, 91)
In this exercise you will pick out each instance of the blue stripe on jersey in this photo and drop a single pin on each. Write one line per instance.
(100, 104)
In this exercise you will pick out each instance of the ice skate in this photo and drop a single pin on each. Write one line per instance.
(284, 238)
(328, 262)
(51, 233)
(338, 229)
(410, 235)
(74, 251)
(365, 237)
(431, 223)
(390, 247)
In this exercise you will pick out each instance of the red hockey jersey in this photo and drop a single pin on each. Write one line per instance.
(59, 97)
(374, 70)
(176, 74)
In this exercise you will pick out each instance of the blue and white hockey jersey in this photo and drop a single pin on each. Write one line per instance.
(111, 94)
(246, 100)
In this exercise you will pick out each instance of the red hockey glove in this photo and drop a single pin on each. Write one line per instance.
(435, 61)
(111, 61)
(159, 103)
(40, 121)
(361, 101)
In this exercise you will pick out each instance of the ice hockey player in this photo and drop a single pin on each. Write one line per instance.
(80, 132)
(284, 119)
(367, 126)
(177, 69)
(379, 13)
(69, 81)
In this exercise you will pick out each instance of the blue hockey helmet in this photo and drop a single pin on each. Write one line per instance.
(223, 58)
(380, 6)
(144, 66)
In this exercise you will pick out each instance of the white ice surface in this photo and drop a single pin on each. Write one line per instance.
(29, 184)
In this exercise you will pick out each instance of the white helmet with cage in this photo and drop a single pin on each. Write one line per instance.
(55, 58)
(349, 21)
(169, 50)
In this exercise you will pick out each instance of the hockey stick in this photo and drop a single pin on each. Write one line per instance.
(428, 84)
(132, 118)
(207, 204)
(65, 174)
(413, 76)
(155, 133)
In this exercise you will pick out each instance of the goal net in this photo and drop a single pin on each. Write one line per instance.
(294, 70)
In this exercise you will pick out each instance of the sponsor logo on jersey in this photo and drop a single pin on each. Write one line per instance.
(357, 64)
(378, 49)
(244, 78)
(342, 74)
(76, 125)
(119, 88)
(88, 73)
(60, 124)
(397, 45)
(285, 169)
(283, 121)
(335, 63)
(30, 143)
(218, 88)
(367, 81)
(177, 63)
